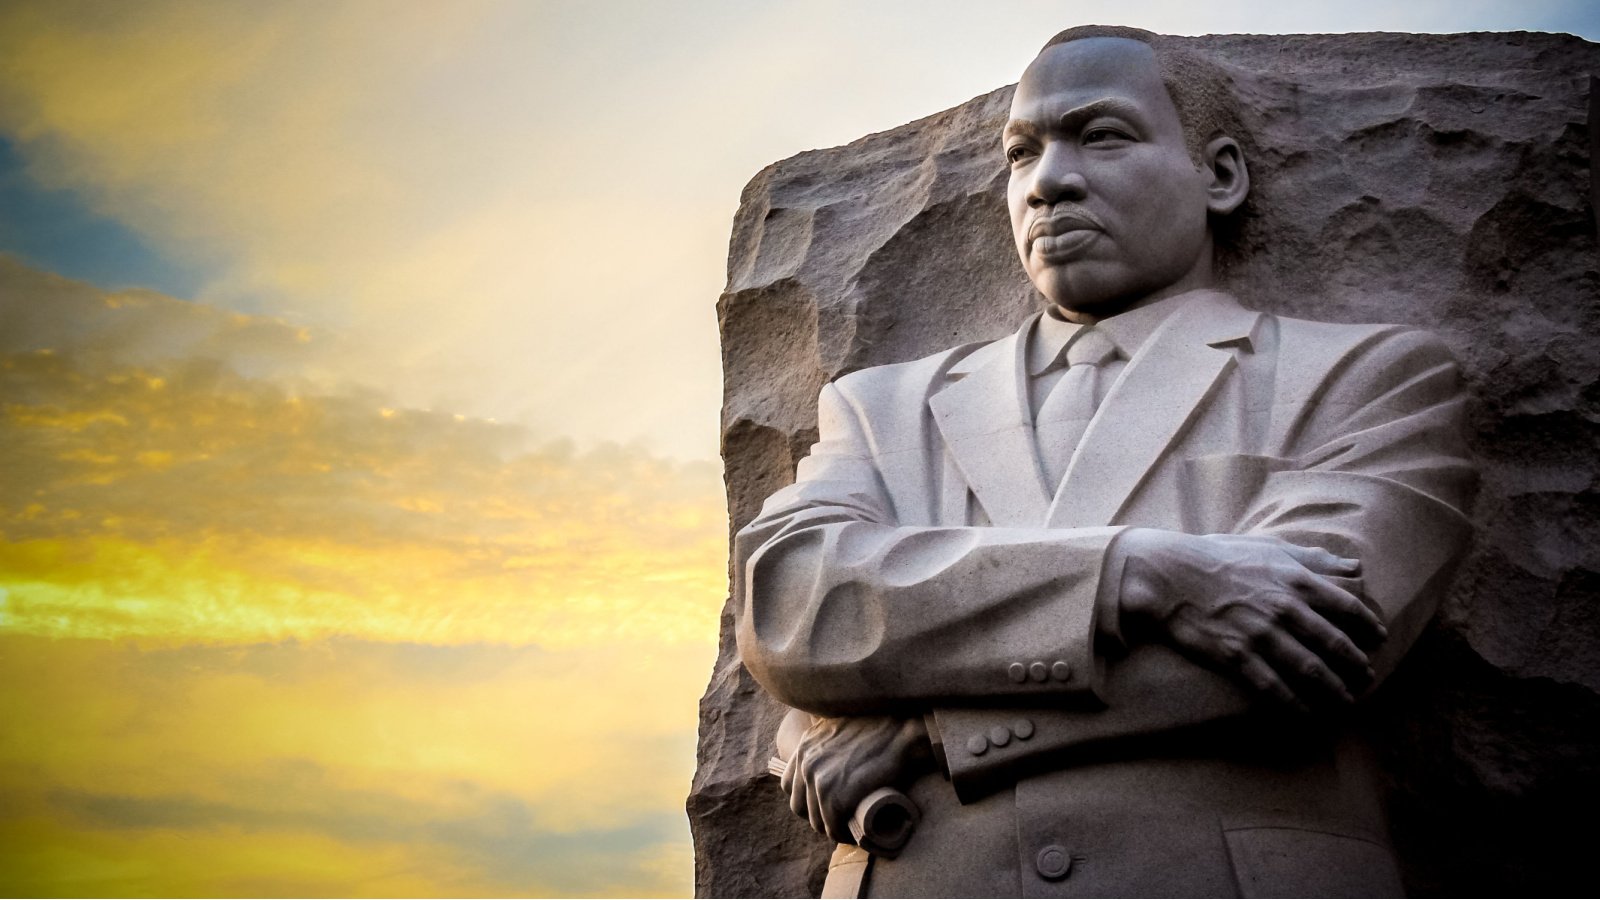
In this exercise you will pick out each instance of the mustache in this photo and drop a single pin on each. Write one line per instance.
(1062, 218)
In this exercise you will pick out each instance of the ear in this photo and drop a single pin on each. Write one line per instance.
(1230, 180)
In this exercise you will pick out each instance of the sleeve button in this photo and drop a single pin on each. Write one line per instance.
(1060, 671)
(1053, 862)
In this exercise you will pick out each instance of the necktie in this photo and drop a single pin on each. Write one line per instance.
(1064, 416)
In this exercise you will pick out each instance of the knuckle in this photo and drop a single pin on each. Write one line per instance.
(1259, 633)
(1232, 650)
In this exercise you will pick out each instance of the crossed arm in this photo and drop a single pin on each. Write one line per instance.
(1324, 584)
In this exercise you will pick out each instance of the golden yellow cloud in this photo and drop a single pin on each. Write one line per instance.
(509, 771)
(179, 498)
(265, 637)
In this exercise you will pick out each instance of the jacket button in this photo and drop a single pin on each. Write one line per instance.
(1022, 728)
(1053, 863)
(1038, 671)
(1061, 671)
(999, 736)
(976, 745)
(1018, 672)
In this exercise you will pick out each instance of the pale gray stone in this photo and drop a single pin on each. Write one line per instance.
(1437, 181)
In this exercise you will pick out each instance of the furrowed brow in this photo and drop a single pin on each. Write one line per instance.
(1073, 119)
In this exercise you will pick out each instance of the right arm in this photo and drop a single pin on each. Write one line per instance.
(842, 611)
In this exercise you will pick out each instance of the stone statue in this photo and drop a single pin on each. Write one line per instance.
(1100, 597)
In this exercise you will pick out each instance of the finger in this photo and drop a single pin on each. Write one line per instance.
(1304, 671)
(797, 785)
(1328, 599)
(1234, 657)
(1325, 639)
(1353, 586)
(833, 815)
(1266, 682)
(814, 808)
(1322, 562)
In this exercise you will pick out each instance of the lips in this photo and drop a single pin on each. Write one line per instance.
(1061, 223)
(1064, 247)
(1062, 235)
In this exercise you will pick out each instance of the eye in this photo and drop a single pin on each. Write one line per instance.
(1018, 153)
(1102, 134)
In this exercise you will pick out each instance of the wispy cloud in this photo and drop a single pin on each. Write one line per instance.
(404, 174)
(249, 614)
(159, 491)
(266, 633)
(519, 210)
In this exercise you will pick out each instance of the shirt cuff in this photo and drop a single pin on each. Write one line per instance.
(937, 741)
(1108, 599)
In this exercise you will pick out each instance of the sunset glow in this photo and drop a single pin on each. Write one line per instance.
(264, 640)
(362, 528)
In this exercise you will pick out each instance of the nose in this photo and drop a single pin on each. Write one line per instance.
(1057, 178)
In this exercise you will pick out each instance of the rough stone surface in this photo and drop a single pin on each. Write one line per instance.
(1442, 181)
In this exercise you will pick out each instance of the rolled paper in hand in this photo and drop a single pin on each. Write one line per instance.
(777, 765)
(883, 821)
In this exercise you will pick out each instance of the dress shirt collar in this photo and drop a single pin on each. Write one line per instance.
(1129, 330)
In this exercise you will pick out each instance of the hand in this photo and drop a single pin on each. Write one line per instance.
(1260, 609)
(838, 762)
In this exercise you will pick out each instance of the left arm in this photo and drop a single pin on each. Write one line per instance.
(1376, 471)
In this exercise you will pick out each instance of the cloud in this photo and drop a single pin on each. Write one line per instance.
(41, 311)
(517, 210)
(267, 633)
(160, 490)
(422, 179)
(499, 770)
(497, 835)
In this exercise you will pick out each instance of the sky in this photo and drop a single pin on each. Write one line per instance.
(361, 522)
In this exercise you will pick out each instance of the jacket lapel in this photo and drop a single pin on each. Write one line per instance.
(1169, 380)
(986, 425)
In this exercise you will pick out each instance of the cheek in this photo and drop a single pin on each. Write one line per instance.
(1016, 203)
(1017, 206)
(1181, 216)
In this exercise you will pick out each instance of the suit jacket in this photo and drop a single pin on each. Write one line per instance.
(920, 563)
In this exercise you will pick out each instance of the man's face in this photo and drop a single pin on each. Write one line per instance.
(1107, 206)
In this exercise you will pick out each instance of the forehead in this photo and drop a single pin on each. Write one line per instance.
(1089, 69)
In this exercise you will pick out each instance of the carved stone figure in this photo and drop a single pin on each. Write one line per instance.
(1100, 596)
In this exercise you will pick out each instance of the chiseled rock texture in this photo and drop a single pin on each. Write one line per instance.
(1441, 181)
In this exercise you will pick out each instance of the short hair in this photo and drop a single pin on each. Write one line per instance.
(1202, 92)
(1200, 89)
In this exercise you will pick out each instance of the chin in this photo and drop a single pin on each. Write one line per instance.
(1082, 293)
